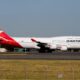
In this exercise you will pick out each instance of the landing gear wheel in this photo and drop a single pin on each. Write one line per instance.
(45, 51)
(41, 51)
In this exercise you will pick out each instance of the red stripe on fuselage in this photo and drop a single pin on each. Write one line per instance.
(9, 40)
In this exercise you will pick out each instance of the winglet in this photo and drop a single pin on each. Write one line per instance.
(33, 40)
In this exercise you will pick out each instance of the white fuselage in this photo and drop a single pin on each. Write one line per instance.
(63, 42)
(27, 43)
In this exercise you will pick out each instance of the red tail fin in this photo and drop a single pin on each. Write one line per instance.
(4, 35)
(6, 39)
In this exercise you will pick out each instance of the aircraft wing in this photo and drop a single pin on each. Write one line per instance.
(41, 44)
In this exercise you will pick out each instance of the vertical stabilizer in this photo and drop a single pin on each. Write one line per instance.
(4, 35)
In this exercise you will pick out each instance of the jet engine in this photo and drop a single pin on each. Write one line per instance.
(63, 48)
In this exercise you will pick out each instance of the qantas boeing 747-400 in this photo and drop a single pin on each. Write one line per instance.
(42, 44)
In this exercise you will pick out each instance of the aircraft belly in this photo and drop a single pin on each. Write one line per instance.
(29, 45)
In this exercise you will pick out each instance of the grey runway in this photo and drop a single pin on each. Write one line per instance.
(47, 56)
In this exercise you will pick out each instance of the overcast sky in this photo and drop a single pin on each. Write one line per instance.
(40, 17)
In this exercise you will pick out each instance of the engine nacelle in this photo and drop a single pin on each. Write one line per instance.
(3, 50)
(63, 48)
(53, 46)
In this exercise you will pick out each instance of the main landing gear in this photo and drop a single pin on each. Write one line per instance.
(45, 50)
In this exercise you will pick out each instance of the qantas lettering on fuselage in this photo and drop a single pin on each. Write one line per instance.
(72, 40)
